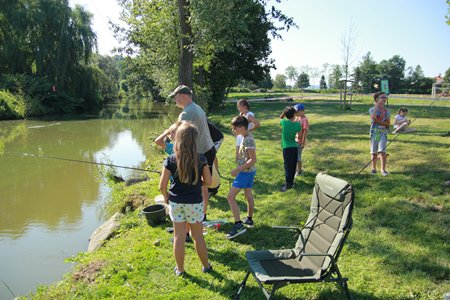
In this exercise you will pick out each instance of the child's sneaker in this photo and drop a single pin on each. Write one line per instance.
(248, 222)
(299, 173)
(207, 269)
(237, 229)
(384, 173)
(373, 171)
(178, 273)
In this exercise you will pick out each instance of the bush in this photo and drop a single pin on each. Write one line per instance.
(11, 106)
(33, 96)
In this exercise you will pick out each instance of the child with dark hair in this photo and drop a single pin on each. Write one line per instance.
(401, 123)
(244, 175)
(190, 171)
(243, 107)
(289, 129)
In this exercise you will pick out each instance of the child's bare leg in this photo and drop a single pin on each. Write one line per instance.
(178, 244)
(251, 202)
(383, 161)
(233, 204)
(199, 243)
(299, 166)
(374, 161)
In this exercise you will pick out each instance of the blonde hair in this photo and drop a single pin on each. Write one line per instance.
(175, 126)
(185, 148)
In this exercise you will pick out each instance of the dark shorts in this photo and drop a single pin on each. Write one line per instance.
(210, 155)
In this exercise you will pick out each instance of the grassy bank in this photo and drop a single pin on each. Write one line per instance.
(398, 248)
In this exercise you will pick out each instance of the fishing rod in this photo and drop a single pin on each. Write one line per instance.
(167, 115)
(90, 162)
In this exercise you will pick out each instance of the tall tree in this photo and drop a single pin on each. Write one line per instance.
(302, 81)
(393, 69)
(447, 76)
(448, 12)
(323, 83)
(366, 74)
(280, 81)
(291, 73)
(228, 40)
(348, 56)
(186, 55)
(47, 39)
(335, 77)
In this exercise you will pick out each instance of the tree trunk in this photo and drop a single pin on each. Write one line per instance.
(185, 63)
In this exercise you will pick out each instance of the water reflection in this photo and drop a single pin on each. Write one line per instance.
(49, 208)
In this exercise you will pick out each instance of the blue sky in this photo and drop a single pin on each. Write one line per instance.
(415, 30)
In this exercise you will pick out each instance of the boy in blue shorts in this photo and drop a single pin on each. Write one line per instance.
(245, 174)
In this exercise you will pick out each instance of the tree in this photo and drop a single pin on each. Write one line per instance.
(48, 40)
(266, 82)
(348, 45)
(291, 74)
(447, 76)
(366, 74)
(416, 82)
(227, 41)
(335, 76)
(186, 56)
(448, 13)
(393, 69)
(280, 81)
(323, 83)
(302, 80)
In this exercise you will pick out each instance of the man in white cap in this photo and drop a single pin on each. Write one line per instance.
(197, 116)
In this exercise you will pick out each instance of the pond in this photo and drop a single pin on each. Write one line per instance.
(50, 207)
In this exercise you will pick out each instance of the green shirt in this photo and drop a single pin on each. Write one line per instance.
(288, 131)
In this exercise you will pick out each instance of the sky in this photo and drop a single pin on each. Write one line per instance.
(415, 30)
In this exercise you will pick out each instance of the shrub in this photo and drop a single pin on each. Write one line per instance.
(11, 106)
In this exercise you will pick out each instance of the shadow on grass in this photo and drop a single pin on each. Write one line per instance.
(407, 221)
(229, 288)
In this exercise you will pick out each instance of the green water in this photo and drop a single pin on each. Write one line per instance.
(49, 208)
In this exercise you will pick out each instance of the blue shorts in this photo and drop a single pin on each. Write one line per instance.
(244, 180)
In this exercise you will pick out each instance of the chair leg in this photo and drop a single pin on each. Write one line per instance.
(274, 288)
(242, 286)
(345, 287)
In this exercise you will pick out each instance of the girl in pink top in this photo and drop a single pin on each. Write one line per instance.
(301, 136)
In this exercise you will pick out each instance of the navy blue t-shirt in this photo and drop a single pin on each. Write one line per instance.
(182, 192)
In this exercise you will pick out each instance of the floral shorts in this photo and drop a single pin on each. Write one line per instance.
(183, 212)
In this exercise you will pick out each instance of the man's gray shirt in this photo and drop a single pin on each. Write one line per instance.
(195, 114)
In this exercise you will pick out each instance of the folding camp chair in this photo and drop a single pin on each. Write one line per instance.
(314, 258)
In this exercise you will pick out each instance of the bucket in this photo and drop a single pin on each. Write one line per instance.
(155, 214)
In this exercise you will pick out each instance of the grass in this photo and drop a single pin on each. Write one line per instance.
(398, 247)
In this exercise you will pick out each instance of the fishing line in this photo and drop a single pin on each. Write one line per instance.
(90, 162)
(7, 286)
